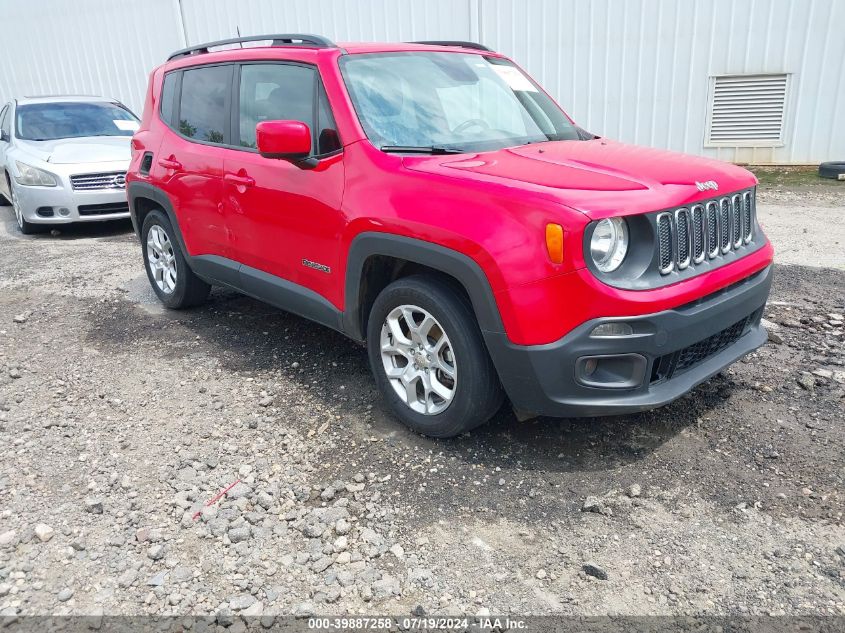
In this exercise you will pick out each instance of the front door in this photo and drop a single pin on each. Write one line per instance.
(285, 219)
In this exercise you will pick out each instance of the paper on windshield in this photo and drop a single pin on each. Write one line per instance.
(515, 79)
(125, 126)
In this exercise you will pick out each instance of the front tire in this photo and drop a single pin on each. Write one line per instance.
(171, 278)
(24, 226)
(428, 358)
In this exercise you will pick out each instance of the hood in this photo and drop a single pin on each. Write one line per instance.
(598, 177)
(89, 149)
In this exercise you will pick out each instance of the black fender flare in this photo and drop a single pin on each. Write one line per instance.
(135, 190)
(211, 268)
(459, 266)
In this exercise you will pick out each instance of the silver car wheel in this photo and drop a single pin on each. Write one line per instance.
(418, 359)
(16, 205)
(161, 259)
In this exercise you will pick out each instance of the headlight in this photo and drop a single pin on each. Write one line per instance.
(34, 177)
(609, 244)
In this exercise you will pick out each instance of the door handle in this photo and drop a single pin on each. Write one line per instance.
(239, 181)
(170, 163)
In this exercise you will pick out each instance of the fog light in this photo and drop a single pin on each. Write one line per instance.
(612, 329)
(611, 371)
(64, 211)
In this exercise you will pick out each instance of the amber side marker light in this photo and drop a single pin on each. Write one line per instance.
(554, 242)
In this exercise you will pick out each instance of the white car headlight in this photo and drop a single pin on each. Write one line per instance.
(34, 177)
(609, 244)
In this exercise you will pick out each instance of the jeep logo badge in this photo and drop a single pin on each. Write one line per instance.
(707, 184)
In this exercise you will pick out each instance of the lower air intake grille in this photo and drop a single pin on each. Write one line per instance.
(104, 209)
(698, 352)
(668, 365)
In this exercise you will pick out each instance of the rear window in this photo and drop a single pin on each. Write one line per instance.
(168, 94)
(202, 109)
(52, 121)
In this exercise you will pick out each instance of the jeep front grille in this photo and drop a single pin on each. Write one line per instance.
(705, 231)
(664, 233)
(699, 234)
(107, 180)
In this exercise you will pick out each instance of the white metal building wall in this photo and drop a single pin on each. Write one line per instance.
(91, 47)
(639, 70)
(636, 70)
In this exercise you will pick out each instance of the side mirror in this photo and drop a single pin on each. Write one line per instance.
(286, 140)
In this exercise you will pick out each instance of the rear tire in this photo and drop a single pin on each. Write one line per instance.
(171, 278)
(442, 382)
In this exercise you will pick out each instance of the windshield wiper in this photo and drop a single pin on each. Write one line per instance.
(420, 149)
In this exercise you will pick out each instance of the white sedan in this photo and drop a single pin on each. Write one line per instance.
(64, 159)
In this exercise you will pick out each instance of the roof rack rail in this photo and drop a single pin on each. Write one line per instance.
(473, 45)
(282, 39)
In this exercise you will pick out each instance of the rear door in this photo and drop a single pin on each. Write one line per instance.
(285, 219)
(189, 162)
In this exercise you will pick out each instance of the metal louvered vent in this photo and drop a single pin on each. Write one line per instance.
(747, 111)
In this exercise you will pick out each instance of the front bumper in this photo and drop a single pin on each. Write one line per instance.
(68, 205)
(670, 352)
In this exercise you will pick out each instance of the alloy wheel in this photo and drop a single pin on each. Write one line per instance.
(161, 259)
(16, 205)
(418, 359)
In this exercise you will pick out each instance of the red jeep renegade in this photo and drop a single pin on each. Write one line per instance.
(431, 200)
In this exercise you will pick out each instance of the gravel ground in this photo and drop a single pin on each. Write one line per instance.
(120, 422)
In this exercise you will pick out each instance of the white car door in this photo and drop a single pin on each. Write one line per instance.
(5, 144)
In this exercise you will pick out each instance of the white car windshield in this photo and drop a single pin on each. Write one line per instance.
(52, 121)
(450, 101)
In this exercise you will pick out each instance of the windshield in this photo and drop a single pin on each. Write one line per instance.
(456, 101)
(51, 121)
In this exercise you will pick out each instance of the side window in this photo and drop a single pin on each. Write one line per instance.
(168, 93)
(271, 92)
(202, 107)
(328, 140)
(5, 121)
